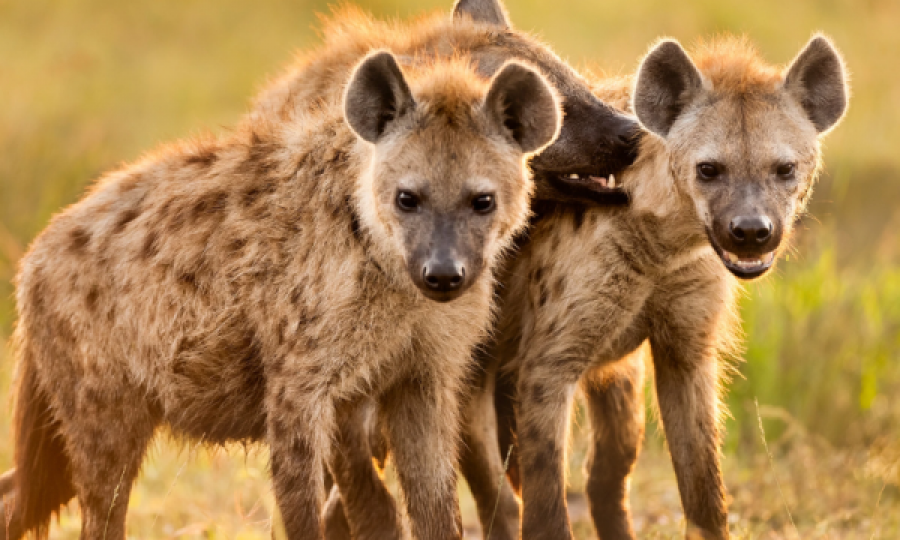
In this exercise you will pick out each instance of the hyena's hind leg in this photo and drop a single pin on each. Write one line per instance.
(83, 435)
(482, 464)
(10, 518)
(106, 435)
(615, 406)
(360, 507)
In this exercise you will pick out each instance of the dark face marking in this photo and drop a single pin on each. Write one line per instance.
(445, 250)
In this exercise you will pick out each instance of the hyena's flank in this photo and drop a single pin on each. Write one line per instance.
(715, 191)
(257, 287)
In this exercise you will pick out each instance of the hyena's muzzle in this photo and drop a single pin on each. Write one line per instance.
(747, 231)
(447, 258)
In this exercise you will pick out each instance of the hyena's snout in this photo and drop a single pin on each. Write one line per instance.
(751, 231)
(443, 274)
(747, 242)
(447, 261)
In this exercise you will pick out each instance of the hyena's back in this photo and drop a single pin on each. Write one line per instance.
(158, 273)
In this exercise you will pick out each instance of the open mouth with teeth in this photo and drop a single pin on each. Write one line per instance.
(602, 188)
(744, 266)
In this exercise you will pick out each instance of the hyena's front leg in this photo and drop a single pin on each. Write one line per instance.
(421, 418)
(300, 428)
(687, 388)
(545, 402)
(360, 506)
(615, 406)
(336, 524)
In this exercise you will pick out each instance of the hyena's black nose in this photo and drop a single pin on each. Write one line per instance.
(444, 276)
(751, 229)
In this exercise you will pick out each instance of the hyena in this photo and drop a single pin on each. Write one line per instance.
(256, 287)
(717, 186)
(595, 143)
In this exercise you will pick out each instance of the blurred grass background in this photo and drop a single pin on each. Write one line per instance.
(87, 84)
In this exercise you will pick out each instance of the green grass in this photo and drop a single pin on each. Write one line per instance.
(86, 85)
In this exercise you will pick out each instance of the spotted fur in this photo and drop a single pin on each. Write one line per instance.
(256, 288)
(594, 291)
(588, 288)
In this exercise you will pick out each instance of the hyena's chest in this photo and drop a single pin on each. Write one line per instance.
(592, 284)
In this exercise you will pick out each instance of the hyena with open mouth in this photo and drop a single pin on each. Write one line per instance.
(733, 155)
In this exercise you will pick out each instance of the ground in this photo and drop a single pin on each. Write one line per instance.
(812, 491)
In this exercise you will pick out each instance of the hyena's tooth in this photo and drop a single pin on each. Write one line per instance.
(574, 176)
(612, 181)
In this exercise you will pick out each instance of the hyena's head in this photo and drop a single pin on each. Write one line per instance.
(743, 137)
(447, 185)
(595, 142)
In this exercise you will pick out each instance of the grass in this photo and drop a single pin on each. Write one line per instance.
(86, 85)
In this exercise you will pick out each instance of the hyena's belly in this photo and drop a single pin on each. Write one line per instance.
(215, 389)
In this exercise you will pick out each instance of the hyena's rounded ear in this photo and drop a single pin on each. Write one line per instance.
(525, 106)
(667, 81)
(817, 79)
(483, 11)
(377, 95)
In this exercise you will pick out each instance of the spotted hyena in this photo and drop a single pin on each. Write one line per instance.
(595, 143)
(256, 287)
(718, 184)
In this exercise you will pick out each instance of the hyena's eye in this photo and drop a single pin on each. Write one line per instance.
(407, 201)
(484, 204)
(709, 171)
(785, 171)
